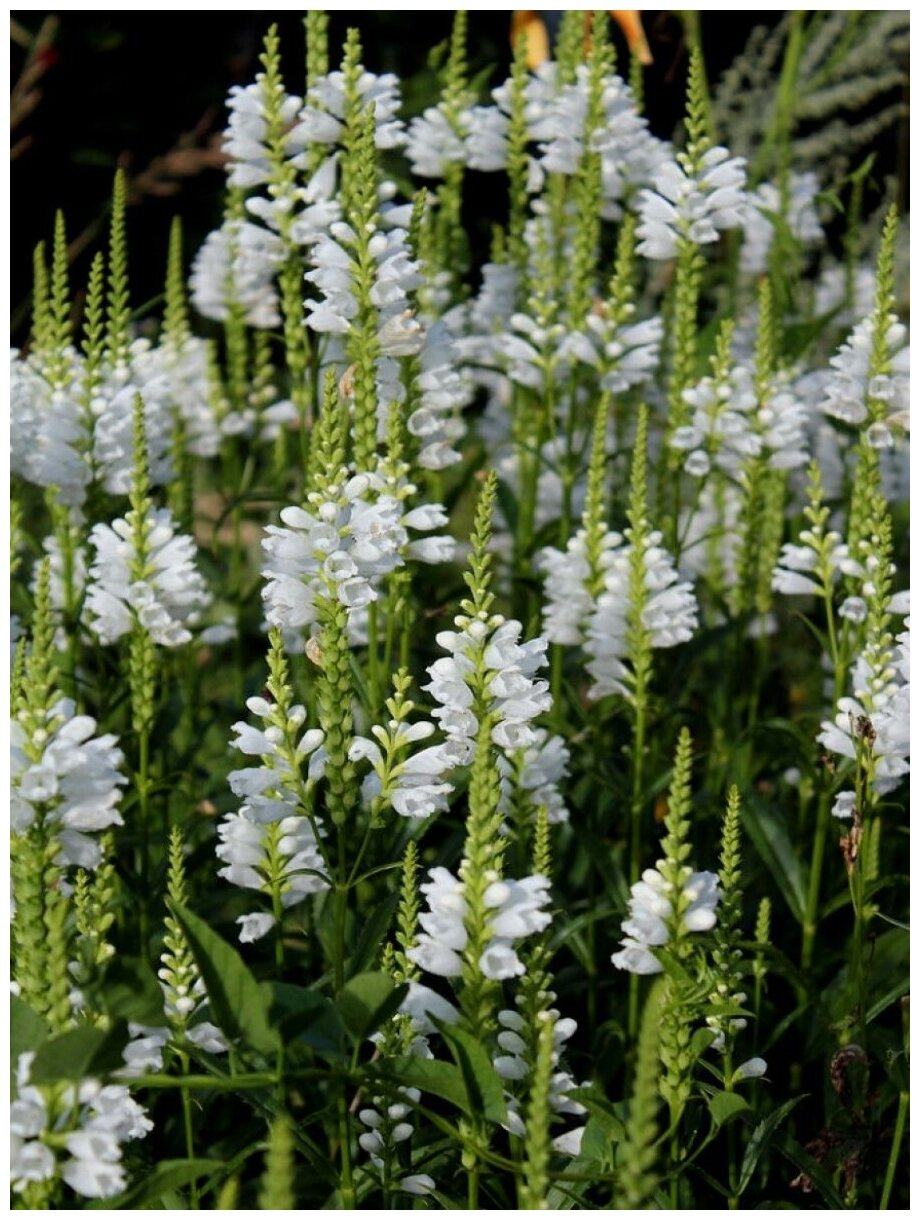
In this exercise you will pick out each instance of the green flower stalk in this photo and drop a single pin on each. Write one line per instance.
(638, 635)
(94, 898)
(118, 306)
(586, 187)
(282, 189)
(41, 313)
(276, 1192)
(537, 1143)
(176, 335)
(759, 966)
(518, 197)
(450, 237)
(55, 760)
(637, 1155)
(688, 273)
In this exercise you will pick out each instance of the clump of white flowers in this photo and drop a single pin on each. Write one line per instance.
(515, 910)
(72, 1134)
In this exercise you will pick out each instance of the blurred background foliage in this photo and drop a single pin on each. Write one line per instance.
(146, 91)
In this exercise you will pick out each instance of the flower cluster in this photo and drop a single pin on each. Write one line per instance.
(691, 206)
(387, 1128)
(513, 1065)
(66, 777)
(855, 394)
(668, 613)
(515, 697)
(74, 1135)
(515, 911)
(270, 844)
(165, 598)
(653, 907)
(351, 534)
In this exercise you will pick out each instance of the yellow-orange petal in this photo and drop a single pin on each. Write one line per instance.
(630, 23)
(529, 25)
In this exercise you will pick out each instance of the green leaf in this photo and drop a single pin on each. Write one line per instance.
(27, 1030)
(807, 1164)
(308, 1015)
(603, 1113)
(167, 1176)
(373, 932)
(79, 1053)
(891, 997)
(434, 1076)
(132, 992)
(366, 1001)
(484, 1091)
(770, 838)
(240, 1005)
(760, 1138)
(723, 1107)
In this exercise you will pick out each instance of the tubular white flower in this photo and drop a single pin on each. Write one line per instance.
(50, 443)
(433, 143)
(270, 845)
(166, 601)
(533, 773)
(851, 388)
(515, 1065)
(764, 204)
(517, 908)
(68, 778)
(517, 698)
(691, 208)
(669, 612)
(335, 261)
(237, 265)
(653, 902)
(322, 119)
(86, 1123)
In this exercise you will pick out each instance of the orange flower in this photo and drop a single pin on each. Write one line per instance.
(532, 26)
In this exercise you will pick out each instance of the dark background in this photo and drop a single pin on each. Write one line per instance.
(146, 91)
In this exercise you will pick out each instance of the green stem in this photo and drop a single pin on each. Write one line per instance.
(185, 1094)
(373, 662)
(347, 1183)
(900, 1123)
(143, 811)
(810, 926)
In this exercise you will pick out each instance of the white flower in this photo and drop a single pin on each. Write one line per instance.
(517, 698)
(721, 430)
(138, 371)
(350, 535)
(844, 805)
(517, 908)
(270, 844)
(50, 437)
(183, 365)
(535, 771)
(669, 613)
(254, 926)
(692, 208)
(652, 903)
(246, 137)
(764, 204)
(851, 389)
(750, 1070)
(69, 778)
(433, 143)
(166, 601)
(89, 1121)
(322, 119)
(336, 261)
(237, 266)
